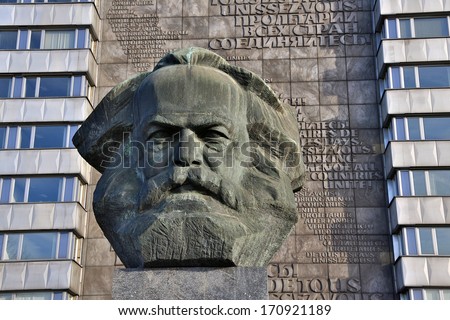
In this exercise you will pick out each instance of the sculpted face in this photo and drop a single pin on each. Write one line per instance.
(195, 182)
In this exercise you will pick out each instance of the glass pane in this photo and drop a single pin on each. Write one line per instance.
(405, 28)
(420, 188)
(409, 77)
(19, 190)
(54, 87)
(413, 128)
(63, 245)
(23, 39)
(81, 38)
(73, 129)
(17, 87)
(406, 189)
(25, 137)
(439, 182)
(30, 87)
(392, 28)
(57, 296)
(411, 238)
(446, 294)
(437, 128)
(2, 137)
(35, 42)
(443, 241)
(50, 137)
(5, 87)
(431, 27)
(426, 241)
(5, 296)
(12, 138)
(434, 77)
(59, 39)
(395, 71)
(46, 189)
(77, 85)
(12, 247)
(6, 187)
(400, 129)
(68, 192)
(39, 245)
(8, 40)
(417, 294)
(432, 294)
(33, 296)
(1, 245)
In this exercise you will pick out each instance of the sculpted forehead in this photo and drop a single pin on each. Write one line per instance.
(190, 90)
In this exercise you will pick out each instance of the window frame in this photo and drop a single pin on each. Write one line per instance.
(73, 247)
(404, 237)
(387, 33)
(77, 192)
(85, 87)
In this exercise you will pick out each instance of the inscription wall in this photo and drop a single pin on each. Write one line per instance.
(318, 57)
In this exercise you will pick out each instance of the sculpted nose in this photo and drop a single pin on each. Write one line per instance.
(188, 150)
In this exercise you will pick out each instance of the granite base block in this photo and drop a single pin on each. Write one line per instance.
(235, 283)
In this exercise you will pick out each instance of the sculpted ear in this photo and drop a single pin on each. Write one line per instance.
(105, 126)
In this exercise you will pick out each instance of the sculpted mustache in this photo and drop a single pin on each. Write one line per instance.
(156, 188)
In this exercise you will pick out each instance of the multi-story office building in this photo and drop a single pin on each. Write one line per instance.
(356, 238)
(413, 65)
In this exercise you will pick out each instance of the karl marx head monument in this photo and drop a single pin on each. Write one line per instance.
(199, 161)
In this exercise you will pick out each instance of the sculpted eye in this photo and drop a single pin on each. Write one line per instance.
(161, 135)
(215, 133)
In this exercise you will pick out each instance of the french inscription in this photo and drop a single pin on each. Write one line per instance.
(329, 150)
(284, 283)
(290, 23)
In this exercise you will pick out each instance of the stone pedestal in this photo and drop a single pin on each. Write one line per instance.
(234, 283)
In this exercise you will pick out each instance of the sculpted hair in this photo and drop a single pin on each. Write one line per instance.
(271, 123)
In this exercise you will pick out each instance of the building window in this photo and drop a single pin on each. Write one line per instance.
(37, 137)
(427, 27)
(426, 294)
(417, 77)
(423, 183)
(34, 39)
(37, 295)
(43, 1)
(41, 189)
(43, 86)
(419, 128)
(424, 241)
(40, 246)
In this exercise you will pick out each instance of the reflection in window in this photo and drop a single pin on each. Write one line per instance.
(46, 86)
(428, 27)
(8, 39)
(41, 189)
(423, 182)
(50, 245)
(33, 39)
(5, 87)
(54, 87)
(417, 77)
(426, 294)
(36, 295)
(37, 137)
(420, 128)
(425, 241)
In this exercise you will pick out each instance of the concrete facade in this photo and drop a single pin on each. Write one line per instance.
(334, 62)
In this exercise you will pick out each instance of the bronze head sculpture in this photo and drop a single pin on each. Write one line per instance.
(199, 161)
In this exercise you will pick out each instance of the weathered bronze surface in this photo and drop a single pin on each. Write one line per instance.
(199, 161)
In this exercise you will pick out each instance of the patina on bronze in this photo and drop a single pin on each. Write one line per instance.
(199, 161)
